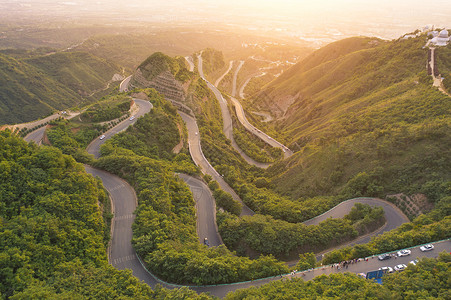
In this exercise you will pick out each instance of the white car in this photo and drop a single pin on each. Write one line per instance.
(404, 252)
(132, 118)
(427, 247)
(400, 267)
(387, 269)
(102, 136)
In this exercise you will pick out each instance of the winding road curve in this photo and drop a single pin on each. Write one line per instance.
(224, 75)
(227, 119)
(251, 128)
(200, 160)
(37, 135)
(123, 86)
(144, 107)
(122, 255)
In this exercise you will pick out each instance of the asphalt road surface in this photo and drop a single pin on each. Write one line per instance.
(257, 132)
(94, 147)
(36, 136)
(393, 215)
(123, 87)
(205, 211)
(200, 160)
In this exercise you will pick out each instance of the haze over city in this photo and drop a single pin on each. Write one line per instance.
(318, 22)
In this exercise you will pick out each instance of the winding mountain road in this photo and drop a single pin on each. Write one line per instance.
(37, 135)
(224, 75)
(123, 256)
(144, 107)
(199, 159)
(123, 86)
(241, 92)
(227, 119)
(251, 128)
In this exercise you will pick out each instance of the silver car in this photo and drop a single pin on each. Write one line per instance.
(404, 252)
(427, 247)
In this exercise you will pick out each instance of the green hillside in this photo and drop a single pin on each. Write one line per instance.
(213, 62)
(27, 93)
(32, 88)
(158, 63)
(443, 57)
(364, 119)
(81, 72)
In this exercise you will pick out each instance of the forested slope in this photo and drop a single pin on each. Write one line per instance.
(52, 234)
(364, 119)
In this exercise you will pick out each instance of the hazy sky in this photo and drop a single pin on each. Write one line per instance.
(385, 18)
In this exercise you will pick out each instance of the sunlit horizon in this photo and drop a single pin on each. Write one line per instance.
(322, 20)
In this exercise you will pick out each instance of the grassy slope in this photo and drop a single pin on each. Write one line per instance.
(27, 93)
(34, 87)
(443, 58)
(158, 63)
(81, 72)
(362, 107)
(213, 60)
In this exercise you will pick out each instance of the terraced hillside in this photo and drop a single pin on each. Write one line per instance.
(163, 73)
(365, 120)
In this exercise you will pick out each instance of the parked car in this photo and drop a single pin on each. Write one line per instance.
(387, 269)
(413, 262)
(384, 256)
(404, 252)
(102, 136)
(132, 118)
(427, 247)
(400, 267)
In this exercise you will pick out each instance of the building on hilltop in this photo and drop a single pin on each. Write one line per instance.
(441, 39)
